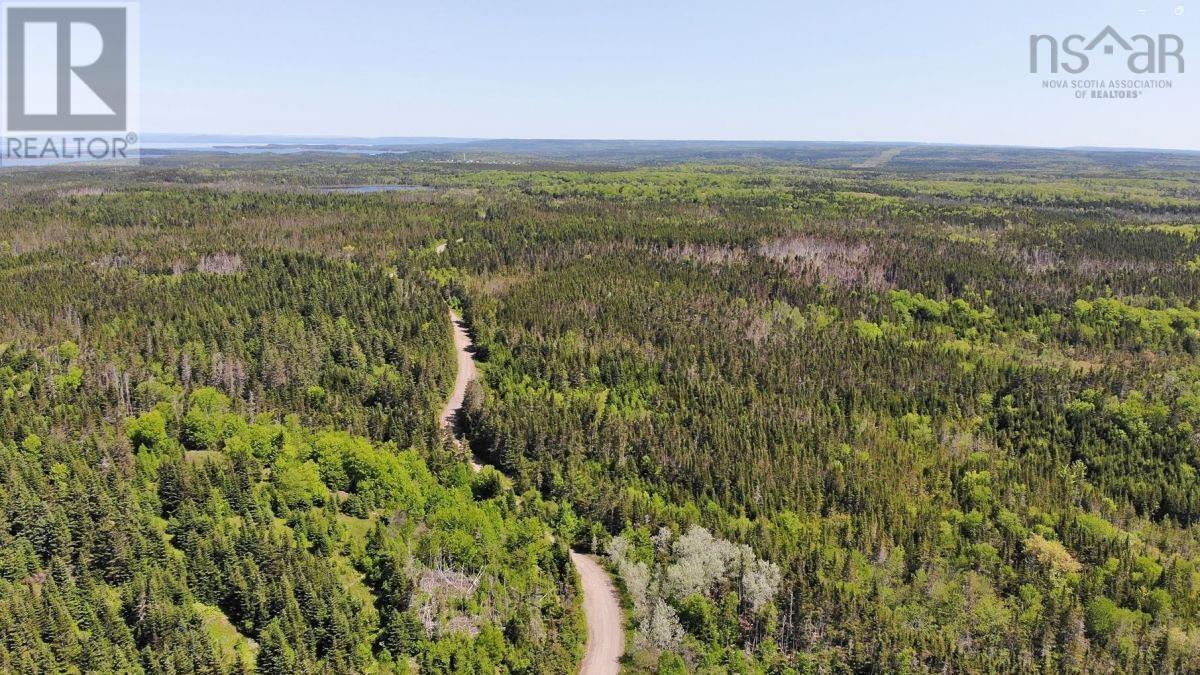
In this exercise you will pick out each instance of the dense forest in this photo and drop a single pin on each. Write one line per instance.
(229, 461)
(911, 415)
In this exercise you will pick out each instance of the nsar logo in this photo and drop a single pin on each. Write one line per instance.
(1144, 54)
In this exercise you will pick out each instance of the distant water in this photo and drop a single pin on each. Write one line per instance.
(254, 149)
(363, 189)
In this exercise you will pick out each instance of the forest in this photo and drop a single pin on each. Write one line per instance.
(926, 414)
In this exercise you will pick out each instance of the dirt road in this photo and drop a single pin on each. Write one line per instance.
(466, 372)
(605, 636)
(464, 351)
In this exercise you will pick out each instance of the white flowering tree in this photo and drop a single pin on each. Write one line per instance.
(689, 572)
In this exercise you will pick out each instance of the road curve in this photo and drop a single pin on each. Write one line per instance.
(605, 636)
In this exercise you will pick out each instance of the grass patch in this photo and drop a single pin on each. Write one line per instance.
(231, 644)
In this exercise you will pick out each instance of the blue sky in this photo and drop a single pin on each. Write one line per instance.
(934, 71)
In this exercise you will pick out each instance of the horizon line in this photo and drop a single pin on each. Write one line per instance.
(476, 139)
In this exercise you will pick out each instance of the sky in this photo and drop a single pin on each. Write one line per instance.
(898, 70)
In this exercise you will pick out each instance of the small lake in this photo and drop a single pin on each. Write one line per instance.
(365, 189)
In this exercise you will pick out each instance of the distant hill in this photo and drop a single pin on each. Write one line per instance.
(897, 156)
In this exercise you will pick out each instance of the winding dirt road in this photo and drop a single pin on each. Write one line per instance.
(605, 637)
